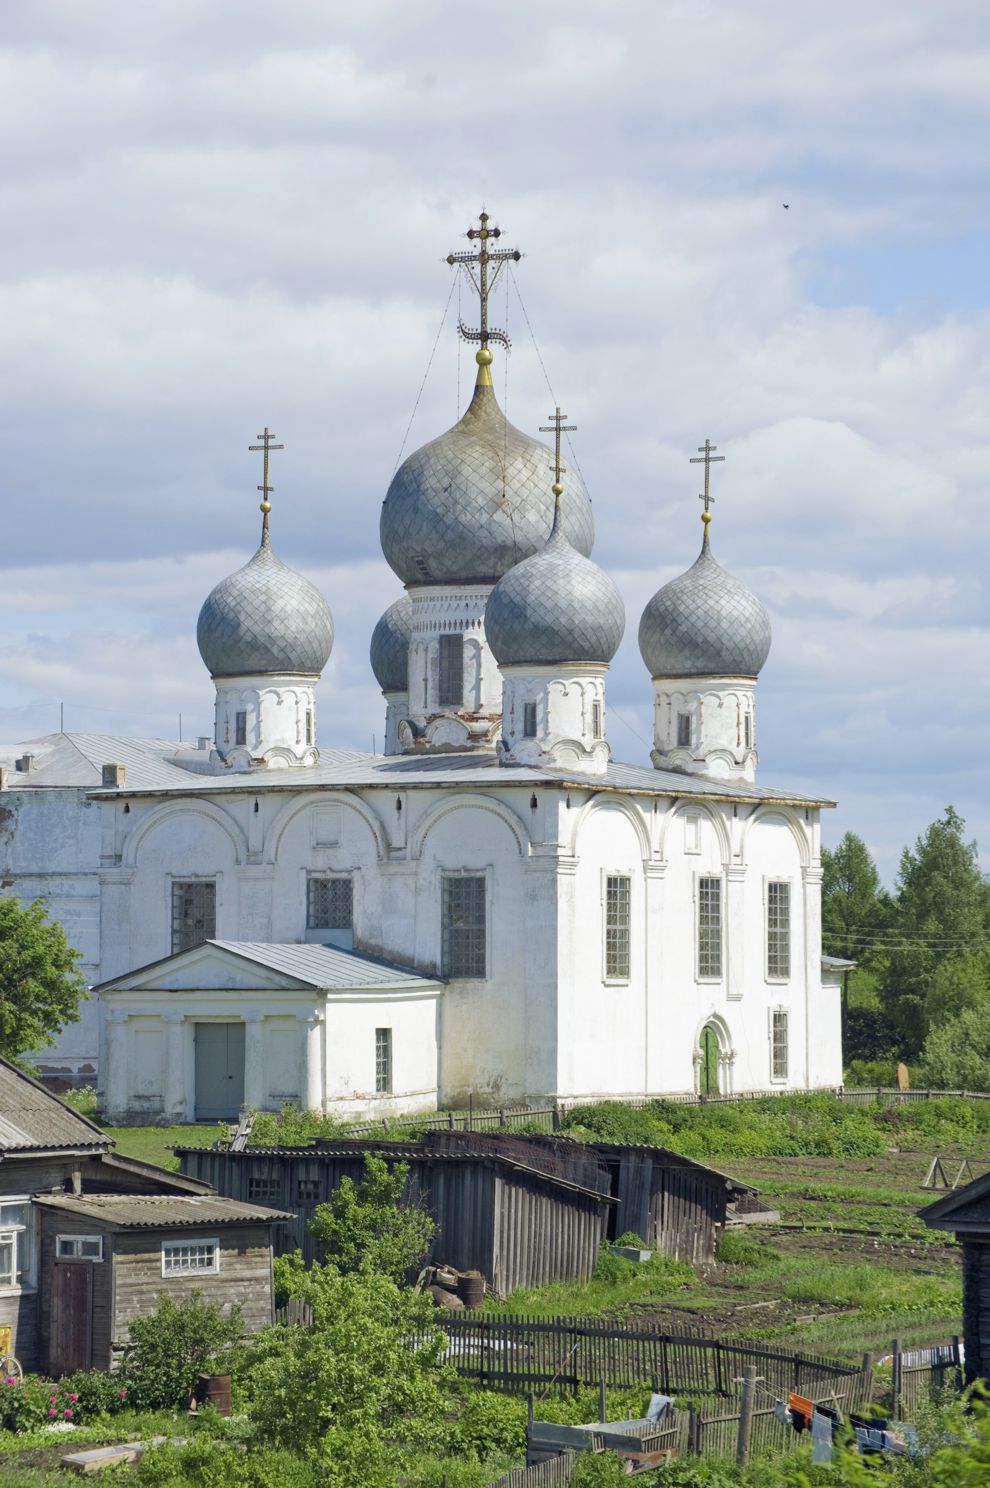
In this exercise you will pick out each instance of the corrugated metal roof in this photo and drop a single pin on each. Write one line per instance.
(327, 967)
(160, 1211)
(33, 1119)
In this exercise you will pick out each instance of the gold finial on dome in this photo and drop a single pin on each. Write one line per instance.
(708, 458)
(265, 488)
(557, 427)
(489, 263)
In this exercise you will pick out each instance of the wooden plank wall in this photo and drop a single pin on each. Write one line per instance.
(538, 1238)
(245, 1275)
(976, 1305)
(54, 1224)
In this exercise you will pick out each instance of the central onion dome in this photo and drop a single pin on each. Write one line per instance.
(704, 623)
(265, 618)
(470, 505)
(390, 646)
(555, 607)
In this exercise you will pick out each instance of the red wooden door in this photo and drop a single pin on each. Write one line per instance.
(70, 1317)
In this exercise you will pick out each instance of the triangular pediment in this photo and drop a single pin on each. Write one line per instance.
(205, 968)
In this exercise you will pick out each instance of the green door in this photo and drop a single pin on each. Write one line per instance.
(219, 1071)
(708, 1071)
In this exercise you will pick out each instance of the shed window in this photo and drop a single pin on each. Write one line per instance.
(265, 1190)
(194, 913)
(778, 1044)
(190, 1257)
(464, 925)
(79, 1247)
(383, 1061)
(240, 727)
(684, 730)
(709, 927)
(529, 720)
(16, 1243)
(308, 1191)
(330, 903)
(617, 899)
(778, 930)
(451, 671)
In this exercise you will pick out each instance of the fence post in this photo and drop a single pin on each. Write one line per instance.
(602, 1401)
(896, 1379)
(694, 1442)
(746, 1407)
(957, 1361)
(866, 1376)
(717, 1351)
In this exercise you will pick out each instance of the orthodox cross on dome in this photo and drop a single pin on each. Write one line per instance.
(489, 263)
(708, 458)
(557, 427)
(266, 444)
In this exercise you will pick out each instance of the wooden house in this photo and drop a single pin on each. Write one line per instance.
(90, 1239)
(966, 1212)
(501, 1207)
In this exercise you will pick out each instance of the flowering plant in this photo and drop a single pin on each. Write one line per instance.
(36, 1402)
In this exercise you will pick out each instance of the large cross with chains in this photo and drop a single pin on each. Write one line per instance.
(266, 444)
(489, 263)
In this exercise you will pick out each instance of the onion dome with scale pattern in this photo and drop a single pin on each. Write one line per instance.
(555, 607)
(265, 618)
(470, 505)
(390, 646)
(704, 623)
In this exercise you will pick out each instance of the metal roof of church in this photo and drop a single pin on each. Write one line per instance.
(158, 767)
(327, 968)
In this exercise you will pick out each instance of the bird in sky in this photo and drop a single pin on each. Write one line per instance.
(786, 206)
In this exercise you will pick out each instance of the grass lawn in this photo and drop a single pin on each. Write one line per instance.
(152, 1143)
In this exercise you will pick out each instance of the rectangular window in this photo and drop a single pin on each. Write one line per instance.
(190, 1257)
(748, 730)
(265, 1190)
(308, 1191)
(617, 900)
(16, 1243)
(79, 1247)
(529, 720)
(596, 720)
(778, 930)
(451, 671)
(330, 903)
(383, 1061)
(194, 913)
(240, 727)
(709, 927)
(463, 925)
(684, 730)
(778, 1044)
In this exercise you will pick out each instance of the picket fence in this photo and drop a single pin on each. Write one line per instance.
(556, 1472)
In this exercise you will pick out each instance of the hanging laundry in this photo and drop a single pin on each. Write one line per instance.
(821, 1436)
(782, 1413)
(802, 1411)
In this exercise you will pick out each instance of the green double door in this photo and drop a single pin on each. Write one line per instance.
(708, 1046)
(219, 1071)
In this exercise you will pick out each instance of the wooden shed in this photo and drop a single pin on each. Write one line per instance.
(501, 1207)
(966, 1213)
(83, 1231)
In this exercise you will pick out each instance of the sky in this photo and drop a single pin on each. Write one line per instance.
(220, 216)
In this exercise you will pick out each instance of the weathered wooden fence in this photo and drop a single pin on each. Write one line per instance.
(556, 1472)
(915, 1374)
(513, 1353)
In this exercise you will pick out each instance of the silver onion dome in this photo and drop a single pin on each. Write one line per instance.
(704, 623)
(468, 506)
(265, 618)
(390, 646)
(555, 607)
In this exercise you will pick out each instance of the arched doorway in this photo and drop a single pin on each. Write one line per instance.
(709, 1058)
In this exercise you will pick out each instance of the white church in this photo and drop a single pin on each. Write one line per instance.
(493, 909)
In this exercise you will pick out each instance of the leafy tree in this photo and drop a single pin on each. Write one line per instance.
(855, 907)
(174, 1344)
(939, 961)
(40, 986)
(367, 1226)
(956, 1053)
(354, 1386)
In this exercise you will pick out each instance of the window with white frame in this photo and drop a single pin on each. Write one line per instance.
(684, 730)
(330, 902)
(778, 930)
(709, 927)
(617, 915)
(451, 694)
(463, 925)
(596, 720)
(748, 729)
(16, 1243)
(383, 1061)
(529, 720)
(79, 1247)
(240, 726)
(778, 1044)
(190, 1257)
(194, 912)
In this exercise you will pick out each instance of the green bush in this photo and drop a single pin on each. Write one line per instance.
(174, 1344)
(207, 1463)
(288, 1273)
(369, 1226)
(490, 1425)
(739, 1249)
(863, 1072)
(292, 1128)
